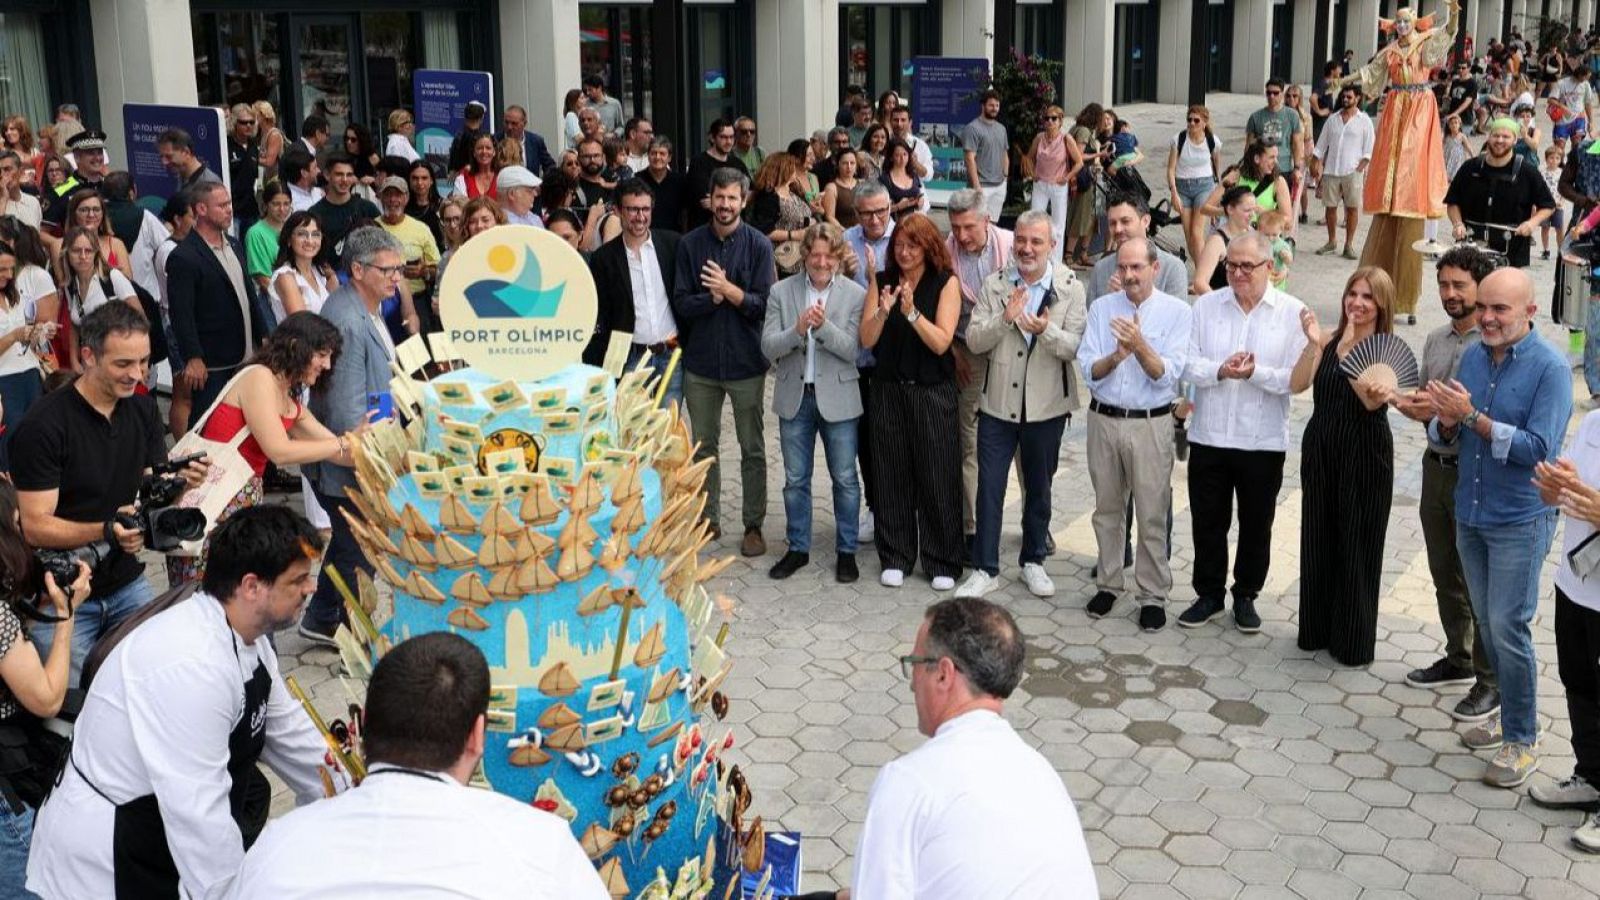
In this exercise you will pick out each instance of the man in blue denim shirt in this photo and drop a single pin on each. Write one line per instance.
(1508, 410)
(719, 299)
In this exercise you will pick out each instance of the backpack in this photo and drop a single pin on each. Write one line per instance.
(152, 313)
(1211, 148)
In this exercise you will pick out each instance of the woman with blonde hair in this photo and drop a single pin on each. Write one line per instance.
(1194, 161)
(269, 139)
(88, 281)
(778, 209)
(1294, 97)
(402, 131)
(1052, 162)
(1347, 475)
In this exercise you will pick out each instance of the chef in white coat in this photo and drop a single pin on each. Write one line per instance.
(162, 795)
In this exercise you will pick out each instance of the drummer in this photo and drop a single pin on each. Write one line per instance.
(1499, 198)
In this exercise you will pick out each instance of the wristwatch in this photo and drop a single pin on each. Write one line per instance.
(1470, 419)
(913, 316)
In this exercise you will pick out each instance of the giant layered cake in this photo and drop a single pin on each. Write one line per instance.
(557, 525)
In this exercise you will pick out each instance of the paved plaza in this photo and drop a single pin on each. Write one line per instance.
(1204, 763)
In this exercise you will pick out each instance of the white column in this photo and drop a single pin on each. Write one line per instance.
(1469, 20)
(1306, 58)
(1585, 13)
(539, 79)
(967, 29)
(1361, 29)
(1090, 39)
(1252, 45)
(1177, 45)
(796, 93)
(1488, 24)
(1519, 15)
(135, 61)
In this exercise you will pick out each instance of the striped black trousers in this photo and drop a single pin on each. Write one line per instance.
(916, 462)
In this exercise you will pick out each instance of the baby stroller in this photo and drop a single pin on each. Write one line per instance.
(1127, 181)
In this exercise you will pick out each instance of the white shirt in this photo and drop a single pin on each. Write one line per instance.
(314, 292)
(142, 255)
(401, 836)
(1165, 322)
(157, 721)
(95, 297)
(972, 814)
(814, 297)
(1240, 414)
(34, 284)
(638, 163)
(652, 310)
(397, 145)
(530, 218)
(1576, 97)
(1194, 160)
(19, 357)
(25, 207)
(302, 200)
(164, 253)
(924, 157)
(1344, 145)
(1584, 451)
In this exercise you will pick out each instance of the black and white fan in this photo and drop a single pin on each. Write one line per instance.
(1382, 359)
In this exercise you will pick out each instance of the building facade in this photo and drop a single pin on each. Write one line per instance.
(682, 63)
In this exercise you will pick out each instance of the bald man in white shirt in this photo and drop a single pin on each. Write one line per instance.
(975, 813)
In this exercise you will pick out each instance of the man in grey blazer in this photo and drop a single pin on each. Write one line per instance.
(375, 261)
(810, 334)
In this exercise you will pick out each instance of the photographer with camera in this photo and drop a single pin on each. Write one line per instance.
(30, 689)
(161, 794)
(79, 459)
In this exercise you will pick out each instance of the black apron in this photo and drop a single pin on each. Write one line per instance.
(141, 859)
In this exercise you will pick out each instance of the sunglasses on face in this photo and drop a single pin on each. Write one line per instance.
(1052, 118)
(1195, 120)
(1273, 93)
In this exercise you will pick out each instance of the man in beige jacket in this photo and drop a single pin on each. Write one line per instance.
(1028, 320)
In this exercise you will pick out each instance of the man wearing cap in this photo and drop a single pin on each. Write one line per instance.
(339, 209)
(417, 245)
(177, 157)
(471, 128)
(518, 188)
(609, 108)
(89, 147)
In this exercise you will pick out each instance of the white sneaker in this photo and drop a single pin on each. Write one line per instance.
(867, 529)
(892, 578)
(1038, 581)
(943, 582)
(977, 584)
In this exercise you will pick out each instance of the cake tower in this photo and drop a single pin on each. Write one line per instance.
(555, 520)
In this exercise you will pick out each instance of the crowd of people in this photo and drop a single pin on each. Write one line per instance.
(933, 362)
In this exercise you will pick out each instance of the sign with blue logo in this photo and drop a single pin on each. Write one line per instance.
(439, 99)
(518, 302)
(142, 125)
(944, 98)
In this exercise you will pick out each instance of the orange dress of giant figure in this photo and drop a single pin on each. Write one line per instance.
(1405, 182)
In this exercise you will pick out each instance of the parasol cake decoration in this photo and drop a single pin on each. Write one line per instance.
(553, 516)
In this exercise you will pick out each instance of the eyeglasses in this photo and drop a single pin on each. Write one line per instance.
(389, 271)
(308, 235)
(635, 210)
(450, 220)
(745, 131)
(1243, 268)
(246, 122)
(1195, 120)
(906, 662)
(872, 213)
(91, 211)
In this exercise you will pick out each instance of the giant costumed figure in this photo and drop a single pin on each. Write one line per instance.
(1406, 179)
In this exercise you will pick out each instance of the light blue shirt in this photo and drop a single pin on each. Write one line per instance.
(1036, 294)
(1165, 321)
(857, 239)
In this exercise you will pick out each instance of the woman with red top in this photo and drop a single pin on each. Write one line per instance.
(265, 400)
(477, 178)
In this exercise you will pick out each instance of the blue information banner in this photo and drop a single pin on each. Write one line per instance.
(944, 98)
(440, 97)
(143, 124)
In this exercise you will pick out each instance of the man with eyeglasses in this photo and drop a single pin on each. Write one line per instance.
(638, 134)
(534, 152)
(376, 261)
(632, 278)
(14, 201)
(1275, 125)
(1248, 352)
(872, 231)
(89, 149)
(744, 144)
(975, 812)
(244, 167)
(697, 187)
(1462, 95)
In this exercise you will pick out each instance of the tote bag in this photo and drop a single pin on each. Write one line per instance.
(228, 474)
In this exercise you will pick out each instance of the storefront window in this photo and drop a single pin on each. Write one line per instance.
(614, 43)
(714, 77)
(391, 55)
(252, 61)
(1040, 32)
(325, 46)
(880, 41)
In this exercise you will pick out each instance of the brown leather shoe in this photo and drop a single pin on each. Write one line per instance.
(753, 544)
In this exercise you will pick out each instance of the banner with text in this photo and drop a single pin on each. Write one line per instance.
(439, 98)
(143, 124)
(944, 98)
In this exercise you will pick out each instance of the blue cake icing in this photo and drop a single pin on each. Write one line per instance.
(634, 749)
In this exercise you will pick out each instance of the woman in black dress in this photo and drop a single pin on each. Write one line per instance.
(1347, 480)
(908, 323)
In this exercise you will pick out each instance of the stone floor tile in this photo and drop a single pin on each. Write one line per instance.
(1373, 873)
(1206, 883)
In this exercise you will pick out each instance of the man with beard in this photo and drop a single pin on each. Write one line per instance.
(719, 300)
(592, 186)
(1339, 162)
(146, 811)
(717, 155)
(988, 156)
(1499, 189)
(1464, 661)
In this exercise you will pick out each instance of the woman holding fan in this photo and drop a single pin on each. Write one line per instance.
(1347, 469)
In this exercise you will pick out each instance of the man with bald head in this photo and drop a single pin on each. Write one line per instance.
(1506, 411)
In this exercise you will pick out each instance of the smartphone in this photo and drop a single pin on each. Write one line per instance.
(380, 406)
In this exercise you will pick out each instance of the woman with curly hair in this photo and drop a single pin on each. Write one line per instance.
(267, 401)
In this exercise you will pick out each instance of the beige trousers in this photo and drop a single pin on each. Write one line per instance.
(1132, 456)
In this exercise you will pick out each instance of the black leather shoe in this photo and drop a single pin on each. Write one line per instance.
(1100, 604)
(789, 564)
(845, 570)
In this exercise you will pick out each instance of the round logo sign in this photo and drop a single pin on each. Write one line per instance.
(517, 302)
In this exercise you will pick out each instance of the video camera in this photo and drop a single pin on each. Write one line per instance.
(163, 525)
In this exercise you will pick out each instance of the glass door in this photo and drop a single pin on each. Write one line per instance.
(325, 49)
(715, 82)
(1282, 39)
(1137, 31)
(614, 43)
(1219, 49)
(878, 43)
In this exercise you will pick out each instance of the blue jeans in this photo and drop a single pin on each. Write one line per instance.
(798, 438)
(93, 618)
(326, 609)
(16, 833)
(659, 363)
(1502, 567)
(998, 443)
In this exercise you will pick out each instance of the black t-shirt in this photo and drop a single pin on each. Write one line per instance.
(1500, 195)
(697, 185)
(1460, 89)
(336, 220)
(669, 200)
(244, 162)
(63, 444)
